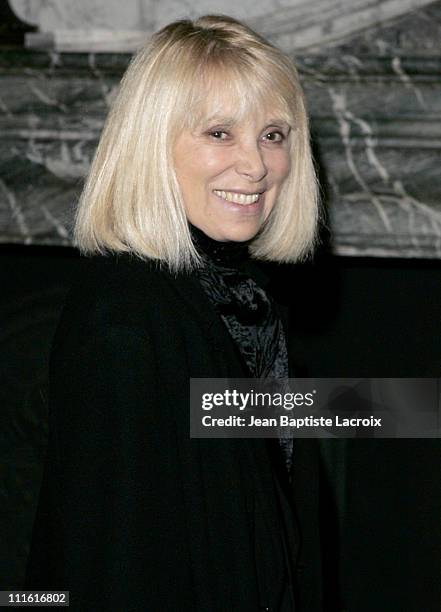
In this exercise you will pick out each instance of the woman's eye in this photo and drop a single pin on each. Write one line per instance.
(275, 136)
(218, 134)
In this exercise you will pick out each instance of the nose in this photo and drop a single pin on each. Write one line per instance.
(250, 162)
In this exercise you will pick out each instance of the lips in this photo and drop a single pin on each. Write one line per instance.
(241, 198)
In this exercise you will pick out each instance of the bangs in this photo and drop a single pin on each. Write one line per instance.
(241, 89)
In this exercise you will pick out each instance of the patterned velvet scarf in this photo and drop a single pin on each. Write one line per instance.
(246, 310)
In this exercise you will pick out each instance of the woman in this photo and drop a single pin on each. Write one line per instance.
(203, 161)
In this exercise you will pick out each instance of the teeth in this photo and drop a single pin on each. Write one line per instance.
(237, 198)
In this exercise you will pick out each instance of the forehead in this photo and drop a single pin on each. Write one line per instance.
(230, 99)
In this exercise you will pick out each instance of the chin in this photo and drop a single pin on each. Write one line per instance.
(239, 231)
(240, 234)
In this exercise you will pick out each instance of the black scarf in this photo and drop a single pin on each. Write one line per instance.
(246, 310)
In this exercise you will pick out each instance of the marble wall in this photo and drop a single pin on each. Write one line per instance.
(370, 69)
(293, 24)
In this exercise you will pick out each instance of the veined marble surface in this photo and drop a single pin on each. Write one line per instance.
(109, 26)
(375, 106)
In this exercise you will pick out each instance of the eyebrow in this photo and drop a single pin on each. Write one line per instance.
(230, 121)
(224, 120)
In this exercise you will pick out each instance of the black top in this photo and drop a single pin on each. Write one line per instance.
(135, 515)
(248, 313)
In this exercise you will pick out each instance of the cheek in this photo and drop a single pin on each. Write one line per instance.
(211, 162)
(284, 166)
(280, 165)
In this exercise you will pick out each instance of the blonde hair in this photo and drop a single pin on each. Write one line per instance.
(132, 201)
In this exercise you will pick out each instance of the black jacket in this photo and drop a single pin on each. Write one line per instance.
(134, 514)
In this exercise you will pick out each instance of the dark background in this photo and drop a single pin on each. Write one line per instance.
(351, 317)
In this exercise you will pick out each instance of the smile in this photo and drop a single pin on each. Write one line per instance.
(238, 198)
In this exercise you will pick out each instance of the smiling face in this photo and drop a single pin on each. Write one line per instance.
(230, 172)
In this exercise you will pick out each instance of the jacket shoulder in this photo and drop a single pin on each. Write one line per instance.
(117, 290)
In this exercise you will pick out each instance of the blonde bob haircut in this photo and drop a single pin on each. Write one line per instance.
(132, 201)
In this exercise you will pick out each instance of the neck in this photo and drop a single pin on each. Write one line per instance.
(222, 253)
